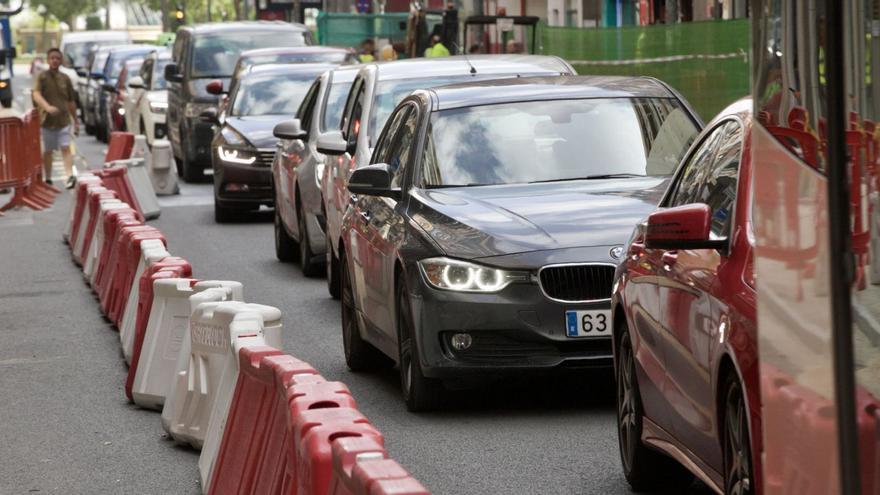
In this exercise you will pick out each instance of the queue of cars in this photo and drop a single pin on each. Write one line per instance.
(484, 215)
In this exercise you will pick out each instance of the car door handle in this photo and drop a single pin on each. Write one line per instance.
(366, 215)
(669, 258)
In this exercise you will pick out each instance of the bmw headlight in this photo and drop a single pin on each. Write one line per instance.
(236, 155)
(193, 110)
(463, 276)
(158, 107)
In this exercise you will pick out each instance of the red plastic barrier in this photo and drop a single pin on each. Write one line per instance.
(306, 396)
(119, 146)
(117, 304)
(385, 477)
(124, 230)
(313, 432)
(94, 202)
(255, 442)
(21, 165)
(169, 267)
(347, 451)
(113, 219)
(82, 187)
(116, 179)
(129, 245)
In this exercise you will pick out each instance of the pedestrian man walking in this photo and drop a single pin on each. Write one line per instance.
(53, 94)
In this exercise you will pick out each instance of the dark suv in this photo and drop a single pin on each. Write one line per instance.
(200, 55)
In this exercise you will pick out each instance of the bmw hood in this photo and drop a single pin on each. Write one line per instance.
(257, 129)
(478, 222)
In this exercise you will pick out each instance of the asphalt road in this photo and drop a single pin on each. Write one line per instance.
(66, 427)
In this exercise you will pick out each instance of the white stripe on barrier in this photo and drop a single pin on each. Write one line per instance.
(207, 291)
(168, 319)
(214, 330)
(91, 262)
(152, 251)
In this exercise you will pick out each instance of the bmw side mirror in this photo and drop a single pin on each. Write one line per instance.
(374, 180)
(290, 129)
(332, 143)
(682, 227)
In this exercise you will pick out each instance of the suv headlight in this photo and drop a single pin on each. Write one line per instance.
(158, 107)
(236, 155)
(463, 276)
(193, 110)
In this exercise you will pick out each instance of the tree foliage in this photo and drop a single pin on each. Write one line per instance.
(67, 10)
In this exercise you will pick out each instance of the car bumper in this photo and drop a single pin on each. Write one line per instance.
(198, 141)
(517, 329)
(242, 186)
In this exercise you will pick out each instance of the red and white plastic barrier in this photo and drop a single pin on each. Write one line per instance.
(215, 330)
(265, 422)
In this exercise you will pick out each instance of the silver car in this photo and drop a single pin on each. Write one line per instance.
(298, 170)
(376, 91)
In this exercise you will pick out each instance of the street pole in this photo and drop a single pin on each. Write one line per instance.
(163, 6)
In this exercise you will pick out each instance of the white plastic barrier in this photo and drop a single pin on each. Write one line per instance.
(163, 173)
(90, 263)
(84, 176)
(139, 178)
(207, 291)
(217, 331)
(27, 99)
(163, 338)
(84, 222)
(152, 251)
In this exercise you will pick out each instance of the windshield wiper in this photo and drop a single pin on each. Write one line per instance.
(590, 177)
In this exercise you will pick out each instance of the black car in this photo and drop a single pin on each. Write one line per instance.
(486, 230)
(244, 146)
(201, 54)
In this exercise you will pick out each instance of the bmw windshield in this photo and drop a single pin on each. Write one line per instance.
(548, 141)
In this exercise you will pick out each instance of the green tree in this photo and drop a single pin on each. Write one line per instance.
(67, 10)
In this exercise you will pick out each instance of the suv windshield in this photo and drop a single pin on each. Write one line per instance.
(274, 94)
(216, 55)
(545, 141)
(117, 61)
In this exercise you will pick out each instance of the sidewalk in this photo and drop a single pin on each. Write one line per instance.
(66, 425)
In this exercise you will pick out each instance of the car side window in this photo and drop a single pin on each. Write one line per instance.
(305, 111)
(718, 188)
(349, 104)
(401, 146)
(146, 72)
(387, 138)
(354, 124)
(694, 168)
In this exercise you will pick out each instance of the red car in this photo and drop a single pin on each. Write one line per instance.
(684, 314)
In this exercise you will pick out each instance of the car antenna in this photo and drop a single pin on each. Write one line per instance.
(466, 59)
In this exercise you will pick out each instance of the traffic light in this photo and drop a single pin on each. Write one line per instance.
(179, 17)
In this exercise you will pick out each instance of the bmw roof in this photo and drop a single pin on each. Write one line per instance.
(483, 64)
(546, 88)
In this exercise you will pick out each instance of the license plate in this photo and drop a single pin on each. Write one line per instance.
(588, 323)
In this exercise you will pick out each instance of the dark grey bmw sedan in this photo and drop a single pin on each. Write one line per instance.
(484, 235)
